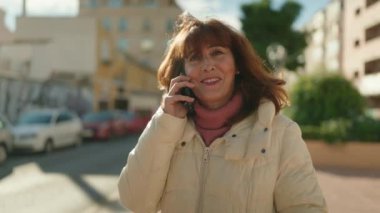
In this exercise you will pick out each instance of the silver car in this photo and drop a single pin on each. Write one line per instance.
(44, 130)
(5, 138)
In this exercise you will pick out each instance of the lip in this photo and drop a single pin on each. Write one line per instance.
(210, 81)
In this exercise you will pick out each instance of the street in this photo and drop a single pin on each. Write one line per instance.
(68, 180)
(84, 180)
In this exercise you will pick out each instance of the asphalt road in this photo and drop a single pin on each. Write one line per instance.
(84, 180)
(67, 180)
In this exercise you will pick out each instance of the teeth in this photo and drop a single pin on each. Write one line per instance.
(210, 80)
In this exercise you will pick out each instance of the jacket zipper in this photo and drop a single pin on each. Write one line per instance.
(203, 174)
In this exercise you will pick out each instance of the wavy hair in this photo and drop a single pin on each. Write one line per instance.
(254, 79)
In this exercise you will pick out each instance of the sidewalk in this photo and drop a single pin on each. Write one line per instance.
(348, 191)
(111, 206)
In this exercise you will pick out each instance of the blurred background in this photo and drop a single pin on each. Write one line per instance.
(82, 73)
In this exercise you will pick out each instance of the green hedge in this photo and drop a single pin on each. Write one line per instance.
(320, 98)
(332, 131)
(329, 108)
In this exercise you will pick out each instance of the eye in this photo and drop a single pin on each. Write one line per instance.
(217, 52)
(194, 58)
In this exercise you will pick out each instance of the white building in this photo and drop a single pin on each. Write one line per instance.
(5, 34)
(57, 46)
(345, 36)
(45, 62)
(325, 39)
(361, 48)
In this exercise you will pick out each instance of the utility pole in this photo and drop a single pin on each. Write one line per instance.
(23, 8)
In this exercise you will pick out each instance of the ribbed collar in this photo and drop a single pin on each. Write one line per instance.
(212, 124)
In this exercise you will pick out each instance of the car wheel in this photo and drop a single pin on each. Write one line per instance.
(3, 154)
(49, 146)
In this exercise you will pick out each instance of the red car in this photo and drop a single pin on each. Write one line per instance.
(135, 122)
(103, 125)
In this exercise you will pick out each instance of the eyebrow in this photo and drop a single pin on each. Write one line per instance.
(216, 46)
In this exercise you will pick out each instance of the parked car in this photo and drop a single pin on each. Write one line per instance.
(6, 138)
(135, 122)
(103, 125)
(45, 130)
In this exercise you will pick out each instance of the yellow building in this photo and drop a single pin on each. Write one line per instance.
(122, 83)
(133, 36)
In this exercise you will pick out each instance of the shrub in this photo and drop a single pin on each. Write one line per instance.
(316, 99)
(331, 131)
(365, 128)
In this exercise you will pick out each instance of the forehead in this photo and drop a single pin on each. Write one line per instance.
(205, 37)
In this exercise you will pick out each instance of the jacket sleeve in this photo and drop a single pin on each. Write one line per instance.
(142, 180)
(297, 188)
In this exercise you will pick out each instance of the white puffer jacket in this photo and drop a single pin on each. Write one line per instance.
(260, 165)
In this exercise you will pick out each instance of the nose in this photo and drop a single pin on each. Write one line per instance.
(207, 65)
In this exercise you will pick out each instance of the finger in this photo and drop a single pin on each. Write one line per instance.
(178, 98)
(179, 78)
(178, 86)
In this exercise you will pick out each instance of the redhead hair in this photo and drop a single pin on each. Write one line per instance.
(254, 80)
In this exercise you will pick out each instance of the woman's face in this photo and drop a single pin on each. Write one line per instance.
(213, 73)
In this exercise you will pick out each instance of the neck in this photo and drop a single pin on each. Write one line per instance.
(214, 123)
(217, 104)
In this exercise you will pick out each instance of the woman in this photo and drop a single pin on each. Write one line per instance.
(234, 152)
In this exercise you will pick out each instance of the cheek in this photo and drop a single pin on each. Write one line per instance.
(192, 72)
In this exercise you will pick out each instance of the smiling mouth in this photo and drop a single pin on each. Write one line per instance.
(210, 81)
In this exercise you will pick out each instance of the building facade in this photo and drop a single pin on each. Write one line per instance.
(325, 32)
(361, 50)
(345, 36)
(5, 34)
(139, 28)
(49, 63)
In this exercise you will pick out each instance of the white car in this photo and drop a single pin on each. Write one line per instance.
(5, 138)
(45, 130)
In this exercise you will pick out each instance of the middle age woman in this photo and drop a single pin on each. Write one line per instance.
(235, 152)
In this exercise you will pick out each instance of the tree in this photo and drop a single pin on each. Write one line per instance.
(264, 25)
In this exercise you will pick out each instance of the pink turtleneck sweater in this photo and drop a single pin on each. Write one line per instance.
(212, 124)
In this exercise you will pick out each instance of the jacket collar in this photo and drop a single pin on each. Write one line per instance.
(256, 142)
(243, 143)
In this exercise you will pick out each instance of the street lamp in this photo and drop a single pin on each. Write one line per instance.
(277, 54)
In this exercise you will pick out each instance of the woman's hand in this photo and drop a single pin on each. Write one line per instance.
(172, 101)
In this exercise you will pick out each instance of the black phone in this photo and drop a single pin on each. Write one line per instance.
(187, 92)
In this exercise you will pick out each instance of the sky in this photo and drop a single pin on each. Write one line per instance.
(227, 10)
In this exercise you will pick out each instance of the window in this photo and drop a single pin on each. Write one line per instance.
(115, 3)
(93, 3)
(151, 3)
(371, 2)
(103, 105)
(147, 45)
(122, 44)
(123, 24)
(107, 23)
(357, 43)
(64, 117)
(357, 11)
(372, 67)
(356, 74)
(172, 3)
(146, 26)
(372, 32)
(105, 53)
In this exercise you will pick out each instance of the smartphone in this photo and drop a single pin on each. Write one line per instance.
(187, 92)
